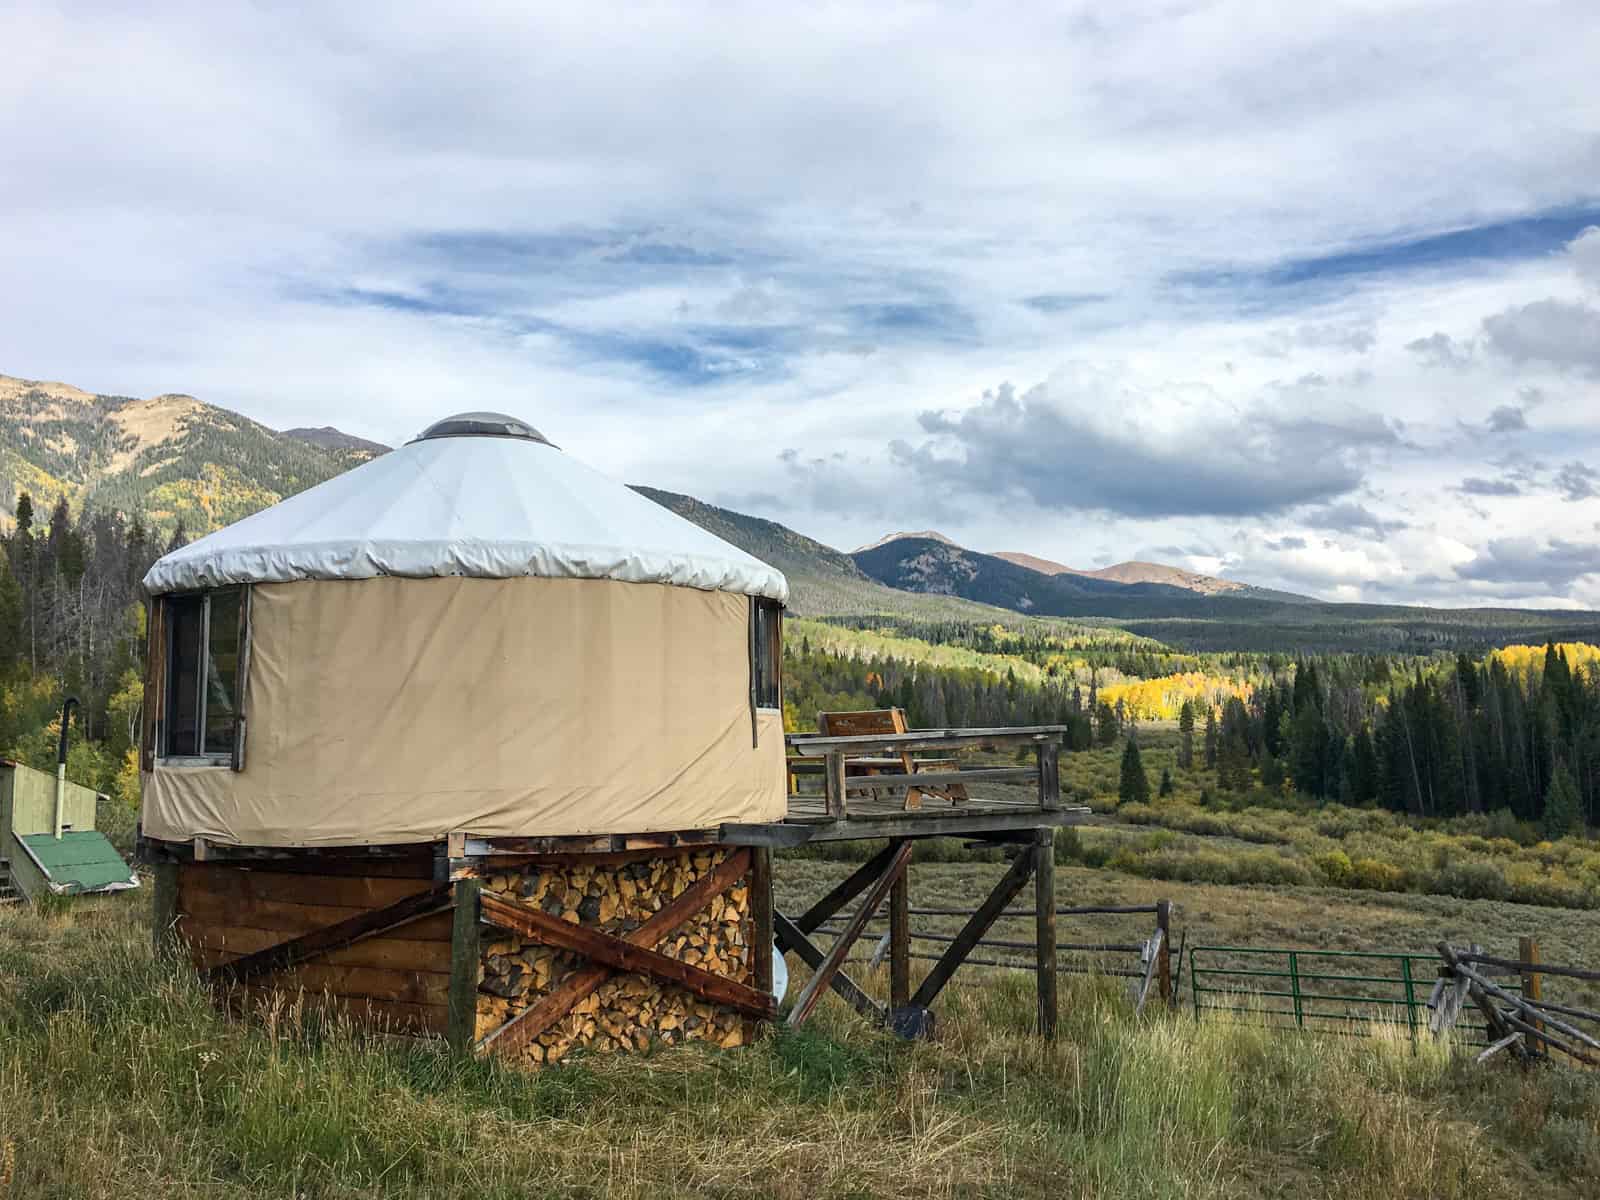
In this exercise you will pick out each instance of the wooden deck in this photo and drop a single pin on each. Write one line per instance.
(886, 816)
(852, 804)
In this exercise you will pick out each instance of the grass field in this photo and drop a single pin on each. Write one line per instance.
(117, 1078)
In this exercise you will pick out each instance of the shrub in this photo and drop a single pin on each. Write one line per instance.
(1370, 874)
(1335, 866)
(1470, 881)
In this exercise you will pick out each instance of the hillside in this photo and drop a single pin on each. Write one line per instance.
(1135, 571)
(822, 581)
(172, 457)
(1251, 619)
(347, 446)
(925, 565)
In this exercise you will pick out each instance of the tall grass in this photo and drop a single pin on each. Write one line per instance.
(118, 1079)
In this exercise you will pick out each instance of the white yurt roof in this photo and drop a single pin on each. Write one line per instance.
(479, 494)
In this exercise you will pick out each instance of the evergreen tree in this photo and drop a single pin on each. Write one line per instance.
(1186, 729)
(1134, 786)
(1105, 719)
(1211, 738)
(1562, 814)
(1166, 782)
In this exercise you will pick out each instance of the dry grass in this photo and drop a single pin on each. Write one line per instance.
(117, 1078)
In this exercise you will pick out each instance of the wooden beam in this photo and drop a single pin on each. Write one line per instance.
(550, 1008)
(773, 834)
(622, 955)
(1153, 950)
(812, 992)
(976, 822)
(1050, 774)
(816, 746)
(164, 906)
(1498, 1029)
(847, 889)
(900, 779)
(1044, 907)
(833, 785)
(792, 940)
(1507, 964)
(900, 941)
(761, 900)
(476, 847)
(977, 925)
(1164, 950)
(465, 958)
(1528, 952)
(333, 937)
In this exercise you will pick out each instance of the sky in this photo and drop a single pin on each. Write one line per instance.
(1307, 296)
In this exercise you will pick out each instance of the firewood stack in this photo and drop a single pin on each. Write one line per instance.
(629, 1010)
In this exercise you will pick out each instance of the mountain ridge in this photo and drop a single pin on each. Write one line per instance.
(173, 458)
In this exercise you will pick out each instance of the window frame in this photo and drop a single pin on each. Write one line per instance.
(233, 757)
(773, 647)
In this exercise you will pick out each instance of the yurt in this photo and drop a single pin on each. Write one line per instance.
(473, 640)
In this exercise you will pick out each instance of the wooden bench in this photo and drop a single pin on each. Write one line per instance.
(871, 722)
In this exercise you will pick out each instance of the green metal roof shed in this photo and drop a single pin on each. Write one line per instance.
(33, 861)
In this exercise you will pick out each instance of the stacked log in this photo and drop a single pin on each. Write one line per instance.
(616, 894)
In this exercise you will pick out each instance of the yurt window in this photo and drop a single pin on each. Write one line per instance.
(205, 639)
(768, 648)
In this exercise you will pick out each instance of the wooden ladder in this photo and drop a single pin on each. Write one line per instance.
(8, 888)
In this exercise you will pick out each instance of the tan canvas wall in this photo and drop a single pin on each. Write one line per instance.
(399, 710)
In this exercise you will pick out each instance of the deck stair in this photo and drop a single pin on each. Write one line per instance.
(9, 893)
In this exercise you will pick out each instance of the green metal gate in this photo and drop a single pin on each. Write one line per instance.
(1345, 992)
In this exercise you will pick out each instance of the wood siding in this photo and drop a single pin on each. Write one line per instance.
(399, 980)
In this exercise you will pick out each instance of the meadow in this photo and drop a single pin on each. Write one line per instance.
(118, 1078)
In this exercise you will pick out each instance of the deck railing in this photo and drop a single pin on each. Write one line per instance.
(830, 757)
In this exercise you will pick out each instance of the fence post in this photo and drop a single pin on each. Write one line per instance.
(1294, 988)
(1044, 908)
(1164, 962)
(1528, 955)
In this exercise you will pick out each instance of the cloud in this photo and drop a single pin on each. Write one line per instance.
(1441, 350)
(1556, 563)
(1560, 333)
(1506, 418)
(1585, 253)
(1350, 517)
(1083, 442)
(1473, 486)
(1577, 481)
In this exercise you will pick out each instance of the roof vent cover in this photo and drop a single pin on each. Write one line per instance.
(482, 424)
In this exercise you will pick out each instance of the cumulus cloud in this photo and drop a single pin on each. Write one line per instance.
(1577, 481)
(1441, 350)
(1560, 333)
(1081, 443)
(1584, 251)
(1506, 418)
(1525, 561)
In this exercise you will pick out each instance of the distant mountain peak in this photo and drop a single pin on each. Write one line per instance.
(926, 535)
(330, 438)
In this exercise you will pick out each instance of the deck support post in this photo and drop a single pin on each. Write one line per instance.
(900, 941)
(164, 908)
(1044, 907)
(761, 901)
(466, 940)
